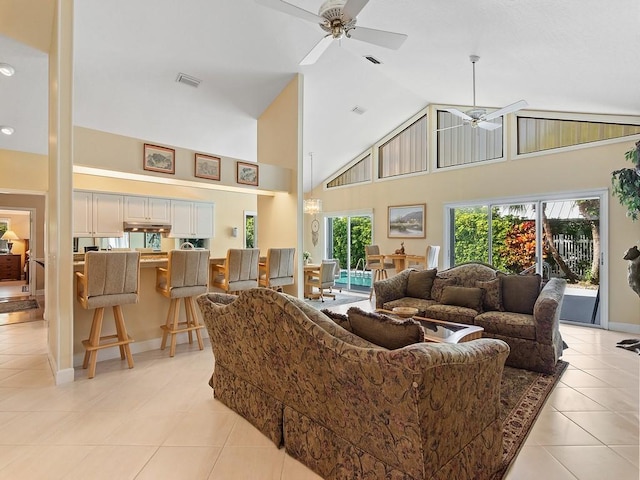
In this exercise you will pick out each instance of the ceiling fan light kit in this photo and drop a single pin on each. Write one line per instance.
(338, 19)
(478, 117)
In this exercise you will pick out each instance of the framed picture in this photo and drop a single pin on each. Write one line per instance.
(207, 167)
(247, 173)
(159, 159)
(407, 221)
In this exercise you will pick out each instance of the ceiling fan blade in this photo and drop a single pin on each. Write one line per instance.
(381, 38)
(508, 109)
(449, 128)
(317, 51)
(352, 8)
(287, 8)
(488, 125)
(458, 113)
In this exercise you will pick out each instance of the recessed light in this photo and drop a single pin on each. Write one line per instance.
(7, 70)
(7, 130)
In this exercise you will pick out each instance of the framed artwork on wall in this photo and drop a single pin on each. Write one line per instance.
(407, 221)
(159, 159)
(207, 166)
(247, 173)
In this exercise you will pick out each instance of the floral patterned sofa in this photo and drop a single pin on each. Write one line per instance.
(348, 408)
(512, 308)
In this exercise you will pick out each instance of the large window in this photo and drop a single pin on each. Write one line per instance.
(406, 152)
(462, 144)
(556, 237)
(358, 173)
(539, 134)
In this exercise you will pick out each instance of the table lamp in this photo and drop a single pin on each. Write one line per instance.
(9, 235)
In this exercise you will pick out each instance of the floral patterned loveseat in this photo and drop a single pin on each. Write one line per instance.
(512, 308)
(347, 408)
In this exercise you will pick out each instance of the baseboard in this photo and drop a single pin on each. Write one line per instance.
(61, 376)
(136, 347)
(624, 327)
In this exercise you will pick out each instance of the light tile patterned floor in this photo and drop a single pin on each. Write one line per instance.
(159, 420)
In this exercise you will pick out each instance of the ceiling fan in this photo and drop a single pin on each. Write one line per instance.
(338, 19)
(478, 117)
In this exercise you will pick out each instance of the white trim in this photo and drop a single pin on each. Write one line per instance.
(578, 117)
(602, 194)
(138, 347)
(624, 327)
(507, 122)
(346, 167)
(389, 136)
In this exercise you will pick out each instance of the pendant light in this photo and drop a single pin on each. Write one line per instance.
(312, 206)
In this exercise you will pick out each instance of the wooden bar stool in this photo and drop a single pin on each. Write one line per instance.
(375, 262)
(110, 279)
(186, 276)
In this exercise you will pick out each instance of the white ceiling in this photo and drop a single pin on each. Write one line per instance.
(573, 55)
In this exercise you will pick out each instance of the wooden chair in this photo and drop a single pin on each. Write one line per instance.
(110, 279)
(277, 271)
(323, 278)
(239, 272)
(374, 261)
(186, 276)
(430, 259)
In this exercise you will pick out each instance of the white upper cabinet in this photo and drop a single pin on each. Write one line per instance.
(97, 215)
(191, 219)
(147, 210)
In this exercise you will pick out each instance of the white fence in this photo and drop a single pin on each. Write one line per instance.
(577, 252)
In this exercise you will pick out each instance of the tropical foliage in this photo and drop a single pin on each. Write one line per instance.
(626, 183)
(360, 237)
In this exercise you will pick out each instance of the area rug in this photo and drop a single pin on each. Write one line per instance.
(522, 396)
(11, 306)
(341, 299)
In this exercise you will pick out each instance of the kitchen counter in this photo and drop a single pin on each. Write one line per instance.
(143, 319)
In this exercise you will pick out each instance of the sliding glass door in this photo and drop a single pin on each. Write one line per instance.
(346, 238)
(560, 236)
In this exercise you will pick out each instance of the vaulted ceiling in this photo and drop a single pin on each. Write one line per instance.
(574, 55)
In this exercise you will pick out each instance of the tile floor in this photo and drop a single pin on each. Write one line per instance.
(159, 420)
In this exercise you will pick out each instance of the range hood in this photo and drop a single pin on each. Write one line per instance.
(146, 227)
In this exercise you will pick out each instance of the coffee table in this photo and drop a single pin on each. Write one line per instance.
(442, 331)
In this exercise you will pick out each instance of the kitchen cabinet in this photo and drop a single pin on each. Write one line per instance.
(10, 267)
(147, 210)
(191, 219)
(97, 215)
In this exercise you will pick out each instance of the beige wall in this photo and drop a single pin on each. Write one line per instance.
(28, 21)
(572, 171)
(118, 153)
(280, 143)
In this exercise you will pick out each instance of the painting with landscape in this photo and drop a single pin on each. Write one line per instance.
(406, 221)
(159, 159)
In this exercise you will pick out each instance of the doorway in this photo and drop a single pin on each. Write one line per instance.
(17, 244)
(346, 238)
(555, 236)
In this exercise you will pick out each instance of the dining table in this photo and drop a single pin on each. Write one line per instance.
(399, 260)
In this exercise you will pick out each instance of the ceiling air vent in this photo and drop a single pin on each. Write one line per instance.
(373, 59)
(188, 80)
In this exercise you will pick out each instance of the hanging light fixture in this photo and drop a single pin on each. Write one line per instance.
(312, 206)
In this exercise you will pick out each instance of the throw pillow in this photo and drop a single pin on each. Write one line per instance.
(420, 282)
(469, 297)
(384, 331)
(520, 292)
(340, 318)
(439, 284)
(492, 294)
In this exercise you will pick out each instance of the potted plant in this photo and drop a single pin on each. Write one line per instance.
(626, 183)
(306, 257)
